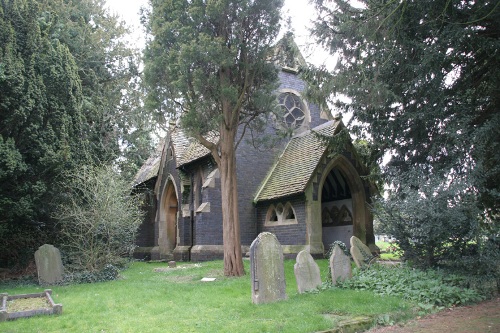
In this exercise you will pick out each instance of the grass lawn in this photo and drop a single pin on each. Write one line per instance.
(175, 300)
(384, 246)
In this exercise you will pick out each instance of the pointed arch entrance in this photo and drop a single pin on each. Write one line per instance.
(167, 226)
(343, 203)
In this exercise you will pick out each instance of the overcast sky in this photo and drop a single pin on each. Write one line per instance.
(300, 11)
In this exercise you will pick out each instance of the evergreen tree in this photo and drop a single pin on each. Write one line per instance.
(208, 64)
(117, 126)
(69, 96)
(41, 124)
(423, 81)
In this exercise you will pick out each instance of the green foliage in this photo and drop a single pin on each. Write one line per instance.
(422, 77)
(41, 125)
(425, 287)
(107, 273)
(342, 246)
(98, 219)
(448, 233)
(208, 62)
(68, 97)
(117, 125)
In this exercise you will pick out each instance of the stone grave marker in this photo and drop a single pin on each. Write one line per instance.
(361, 254)
(306, 272)
(340, 265)
(267, 269)
(49, 265)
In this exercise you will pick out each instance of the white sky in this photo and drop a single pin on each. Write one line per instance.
(300, 11)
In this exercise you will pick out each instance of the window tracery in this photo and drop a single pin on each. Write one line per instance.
(280, 215)
(293, 109)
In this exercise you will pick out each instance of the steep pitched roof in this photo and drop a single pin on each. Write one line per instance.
(186, 150)
(295, 167)
(287, 54)
(151, 167)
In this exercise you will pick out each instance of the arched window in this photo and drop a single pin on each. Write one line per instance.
(280, 215)
(271, 215)
(288, 212)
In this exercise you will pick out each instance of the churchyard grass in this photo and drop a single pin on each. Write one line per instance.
(389, 250)
(175, 300)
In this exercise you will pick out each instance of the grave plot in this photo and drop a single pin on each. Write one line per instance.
(28, 305)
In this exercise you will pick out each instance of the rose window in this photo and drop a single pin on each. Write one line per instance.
(293, 110)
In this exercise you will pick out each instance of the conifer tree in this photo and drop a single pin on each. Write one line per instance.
(208, 64)
(422, 78)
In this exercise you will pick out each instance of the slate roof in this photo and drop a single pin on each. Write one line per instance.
(186, 150)
(296, 165)
(151, 167)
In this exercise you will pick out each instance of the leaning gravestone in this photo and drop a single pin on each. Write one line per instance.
(49, 264)
(267, 269)
(361, 253)
(306, 272)
(340, 265)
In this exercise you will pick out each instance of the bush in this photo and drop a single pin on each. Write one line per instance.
(425, 287)
(98, 221)
(438, 224)
(108, 273)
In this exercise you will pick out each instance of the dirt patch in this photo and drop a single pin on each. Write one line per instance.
(483, 317)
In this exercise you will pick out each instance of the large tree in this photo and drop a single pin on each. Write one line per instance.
(108, 66)
(41, 125)
(423, 78)
(67, 98)
(208, 64)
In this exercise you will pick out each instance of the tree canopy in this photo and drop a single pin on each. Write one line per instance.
(66, 100)
(422, 78)
(208, 64)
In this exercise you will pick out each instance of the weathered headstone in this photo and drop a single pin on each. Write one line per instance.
(267, 269)
(306, 272)
(49, 265)
(340, 265)
(361, 253)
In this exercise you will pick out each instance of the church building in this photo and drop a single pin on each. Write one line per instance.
(305, 192)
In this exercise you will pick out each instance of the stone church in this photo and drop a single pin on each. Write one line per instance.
(306, 193)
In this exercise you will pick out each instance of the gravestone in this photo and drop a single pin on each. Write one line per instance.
(267, 269)
(49, 264)
(361, 253)
(340, 265)
(306, 272)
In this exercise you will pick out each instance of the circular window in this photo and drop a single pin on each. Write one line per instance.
(293, 109)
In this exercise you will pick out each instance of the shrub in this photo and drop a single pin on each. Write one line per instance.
(438, 224)
(98, 220)
(425, 287)
(108, 273)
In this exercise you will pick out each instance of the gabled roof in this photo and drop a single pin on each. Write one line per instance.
(186, 150)
(287, 54)
(151, 167)
(295, 167)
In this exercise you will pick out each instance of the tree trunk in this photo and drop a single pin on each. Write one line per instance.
(233, 262)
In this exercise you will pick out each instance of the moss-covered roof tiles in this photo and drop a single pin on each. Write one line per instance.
(151, 167)
(296, 165)
(186, 150)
